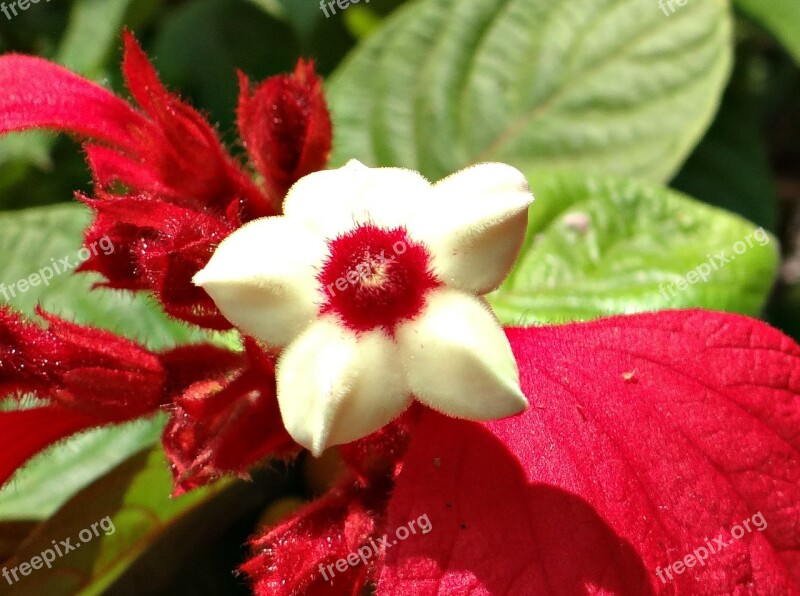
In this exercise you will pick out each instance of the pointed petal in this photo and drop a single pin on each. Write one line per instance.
(459, 361)
(27, 432)
(263, 278)
(333, 200)
(474, 225)
(334, 387)
(40, 94)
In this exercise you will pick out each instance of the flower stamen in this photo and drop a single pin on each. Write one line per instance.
(376, 278)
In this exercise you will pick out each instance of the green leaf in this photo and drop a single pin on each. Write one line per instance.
(609, 86)
(31, 146)
(135, 498)
(92, 32)
(200, 45)
(362, 21)
(303, 15)
(604, 245)
(38, 238)
(779, 17)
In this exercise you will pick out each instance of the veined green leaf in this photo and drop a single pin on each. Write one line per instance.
(610, 86)
(603, 245)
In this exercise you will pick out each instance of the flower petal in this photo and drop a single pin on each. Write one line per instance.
(263, 278)
(474, 225)
(458, 360)
(333, 201)
(335, 387)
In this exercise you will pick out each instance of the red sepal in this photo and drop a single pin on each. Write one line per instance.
(181, 155)
(285, 127)
(82, 368)
(157, 247)
(226, 424)
(41, 94)
(292, 558)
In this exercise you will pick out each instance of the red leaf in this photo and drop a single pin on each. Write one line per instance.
(647, 437)
(40, 94)
(26, 432)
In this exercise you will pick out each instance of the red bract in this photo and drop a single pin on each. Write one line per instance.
(91, 378)
(298, 556)
(224, 412)
(285, 127)
(181, 158)
(158, 246)
(647, 436)
(291, 558)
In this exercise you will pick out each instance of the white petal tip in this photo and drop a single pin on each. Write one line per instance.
(355, 164)
(318, 447)
(510, 402)
(310, 434)
(520, 402)
(200, 278)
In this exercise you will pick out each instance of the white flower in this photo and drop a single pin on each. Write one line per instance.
(372, 281)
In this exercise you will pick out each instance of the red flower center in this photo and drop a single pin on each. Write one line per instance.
(376, 278)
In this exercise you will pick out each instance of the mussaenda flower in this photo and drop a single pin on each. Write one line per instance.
(372, 280)
(647, 435)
